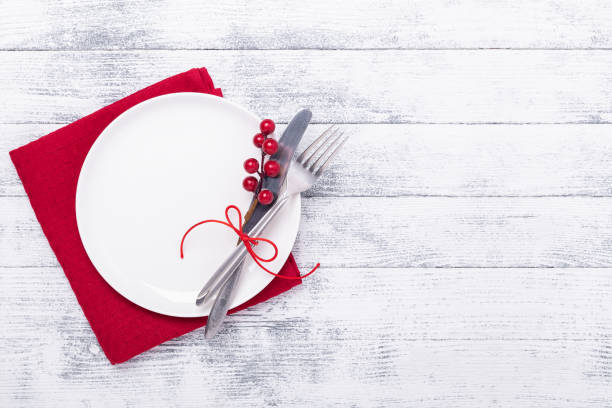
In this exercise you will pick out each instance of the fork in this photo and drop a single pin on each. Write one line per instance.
(303, 173)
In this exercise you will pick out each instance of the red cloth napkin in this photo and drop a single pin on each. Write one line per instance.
(49, 169)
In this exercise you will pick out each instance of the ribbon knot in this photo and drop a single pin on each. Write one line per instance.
(248, 241)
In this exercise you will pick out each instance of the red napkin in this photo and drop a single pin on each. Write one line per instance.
(49, 169)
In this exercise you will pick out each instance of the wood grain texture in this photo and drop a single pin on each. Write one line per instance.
(433, 160)
(389, 86)
(480, 138)
(317, 24)
(356, 337)
(405, 232)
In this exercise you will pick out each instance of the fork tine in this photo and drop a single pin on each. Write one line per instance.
(332, 154)
(329, 147)
(323, 146)
(301, 157)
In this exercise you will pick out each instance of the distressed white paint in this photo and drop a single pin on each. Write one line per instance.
(434, 160)
(381, 86)
(406, 232)
(423, 337)
(460, 156)
(318, 24)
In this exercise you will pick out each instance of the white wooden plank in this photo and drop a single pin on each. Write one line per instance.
(296, 373)
(90, 24)
(458, 86)
(405, 232)
(434, 160)
(369, 337)
(396, 303)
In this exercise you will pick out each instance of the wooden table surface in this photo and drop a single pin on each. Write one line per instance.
(465, 233)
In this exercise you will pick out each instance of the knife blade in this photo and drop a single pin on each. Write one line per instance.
(287, 145)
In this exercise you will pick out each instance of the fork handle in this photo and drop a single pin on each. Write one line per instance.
(234, 260)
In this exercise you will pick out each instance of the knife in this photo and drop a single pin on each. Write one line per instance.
(287, 144)
(286, 149)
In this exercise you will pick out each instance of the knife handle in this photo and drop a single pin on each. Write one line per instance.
(222, 273)
(234, 260)
(222, 304)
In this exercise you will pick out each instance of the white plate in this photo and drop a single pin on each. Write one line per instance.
(158, 168)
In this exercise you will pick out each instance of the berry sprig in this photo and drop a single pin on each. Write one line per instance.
(267, 168)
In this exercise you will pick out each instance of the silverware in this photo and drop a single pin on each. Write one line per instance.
(303, 173)
(287, 144)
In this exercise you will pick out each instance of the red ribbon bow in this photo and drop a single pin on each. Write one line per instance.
(248, 242)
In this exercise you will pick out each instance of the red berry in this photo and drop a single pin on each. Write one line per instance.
(251, 165)
(270, 146)
(267, 126)
(271, 168)
(265, 197)
(250, 183)
(258, 140)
